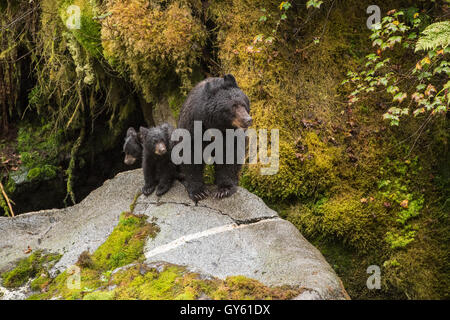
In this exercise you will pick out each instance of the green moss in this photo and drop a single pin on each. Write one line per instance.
(41, 282)
(133, 204)
(176, 100)
(154, 44)
(301, 175)
(343, 217)
(99, 295)
(36, 264)
(175, 283)
(208, 174)
(139, 281)
(38, 146)
(124, 246)
(89, 33)
(44, 172)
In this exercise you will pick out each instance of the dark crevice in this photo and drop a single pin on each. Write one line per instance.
(236, 221)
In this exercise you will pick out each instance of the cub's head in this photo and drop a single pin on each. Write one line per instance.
(157, 139)
(232, 105)
(132, 147)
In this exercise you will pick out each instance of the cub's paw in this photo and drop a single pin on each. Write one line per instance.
(161, 189)
(148, 189)
(223, 192)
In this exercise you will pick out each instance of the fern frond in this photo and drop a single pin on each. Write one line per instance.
(434, 36)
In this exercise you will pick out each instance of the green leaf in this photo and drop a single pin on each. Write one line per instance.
(377, 42)
(434, 36)
(420, 87)
(313, 3)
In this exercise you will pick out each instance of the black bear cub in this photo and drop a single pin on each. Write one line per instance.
(132, 147)
(159, 171)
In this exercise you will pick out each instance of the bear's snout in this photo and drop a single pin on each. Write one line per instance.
(248, 122)
(129, 159)
(241, 118)
(160, 148)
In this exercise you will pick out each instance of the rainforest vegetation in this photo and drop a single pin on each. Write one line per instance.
(362, 113)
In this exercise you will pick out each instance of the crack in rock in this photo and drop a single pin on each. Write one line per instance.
(236, 221)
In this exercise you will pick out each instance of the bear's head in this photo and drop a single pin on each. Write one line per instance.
(232, 106)
(156, 139)
(132, 147)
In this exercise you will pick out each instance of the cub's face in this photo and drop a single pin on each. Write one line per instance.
(156, 139)
(132, 147)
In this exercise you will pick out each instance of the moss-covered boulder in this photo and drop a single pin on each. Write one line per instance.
(118, 244)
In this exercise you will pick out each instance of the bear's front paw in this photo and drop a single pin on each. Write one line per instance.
(223, 192)
(198, 195)
(148, 189)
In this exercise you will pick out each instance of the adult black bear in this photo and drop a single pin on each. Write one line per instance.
(220, 104)
(132, 147)
(159, 171)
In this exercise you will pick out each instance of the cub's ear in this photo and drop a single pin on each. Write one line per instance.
(229, 81)
(142, 133)
(131, 132)
(139, 138)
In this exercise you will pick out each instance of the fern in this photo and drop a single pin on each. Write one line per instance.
(434, 36)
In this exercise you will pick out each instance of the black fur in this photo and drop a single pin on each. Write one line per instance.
(132, 147)
(159, 171)
(213, 102)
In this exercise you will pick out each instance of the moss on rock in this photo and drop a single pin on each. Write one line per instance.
(124, 246)
(36, 264)
(170, 282)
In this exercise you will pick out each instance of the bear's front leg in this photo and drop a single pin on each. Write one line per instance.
(150, 181)
(167, 176)
(193, 181)
(227, 179)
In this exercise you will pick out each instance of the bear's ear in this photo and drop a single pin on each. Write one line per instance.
(210, 89)
(142, 133)
(131, 132)
(229, 81)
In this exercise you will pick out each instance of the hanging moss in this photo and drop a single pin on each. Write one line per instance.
(153, 44)
(89, 33)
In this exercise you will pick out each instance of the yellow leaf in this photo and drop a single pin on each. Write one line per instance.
(404, 204)
(396, 22)
(425, 60)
